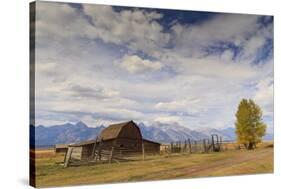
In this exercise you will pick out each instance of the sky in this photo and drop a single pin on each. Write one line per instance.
(105, 64)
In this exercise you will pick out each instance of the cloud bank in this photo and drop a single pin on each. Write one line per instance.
(103, 64)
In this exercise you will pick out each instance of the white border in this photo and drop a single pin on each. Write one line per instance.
(15, 92)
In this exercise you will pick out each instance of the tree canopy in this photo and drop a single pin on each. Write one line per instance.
(249, 125)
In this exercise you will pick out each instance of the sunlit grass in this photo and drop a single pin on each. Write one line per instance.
(232, 162)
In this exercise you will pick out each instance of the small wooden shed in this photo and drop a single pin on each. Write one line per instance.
(61, 148)
(151, 147)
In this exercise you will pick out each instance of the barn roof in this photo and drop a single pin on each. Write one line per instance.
(150, 141)
(109, 133)
(112, 131)
(61, 146)
(82, 143)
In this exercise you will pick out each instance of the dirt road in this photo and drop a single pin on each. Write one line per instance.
(224, 164)
(236, 160)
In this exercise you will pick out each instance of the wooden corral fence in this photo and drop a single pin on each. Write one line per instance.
(213, 144)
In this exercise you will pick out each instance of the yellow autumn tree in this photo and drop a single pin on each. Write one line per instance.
(249, 125)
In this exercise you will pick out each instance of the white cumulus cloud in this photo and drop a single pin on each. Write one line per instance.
(135, 64)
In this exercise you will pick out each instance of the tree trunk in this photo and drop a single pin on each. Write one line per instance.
(250, 146)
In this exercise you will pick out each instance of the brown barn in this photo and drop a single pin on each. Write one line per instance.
(124, 139)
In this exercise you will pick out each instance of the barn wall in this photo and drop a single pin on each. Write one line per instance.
(129, 140)
(76, 153)
(87, 151)
(107, 145)
(129, 143)
(130, 131)
(61, 150)
(151, 148)
(128, 146)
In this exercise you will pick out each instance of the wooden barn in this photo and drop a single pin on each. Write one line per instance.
(117, 140)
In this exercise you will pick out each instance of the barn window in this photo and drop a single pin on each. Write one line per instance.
(121, 145)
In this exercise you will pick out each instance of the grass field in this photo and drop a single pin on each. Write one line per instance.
(232, 162)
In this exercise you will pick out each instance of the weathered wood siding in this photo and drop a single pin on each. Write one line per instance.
(61, 150)
(86, 151)
(106, 145)
(151, 147)
(76, 153)
(129, 140)
(130, 131)
(126, 146)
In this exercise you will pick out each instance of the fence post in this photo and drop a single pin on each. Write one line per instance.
(180, 146)
(100, 150)
(213, 143)
(68, 157)
(204, 143)
(221, 146)
(111, 154)
(94, 149)
(189, 146)
(143, 155)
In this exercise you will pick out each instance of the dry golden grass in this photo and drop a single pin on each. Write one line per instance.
(232, 162)
(234, 146)
(43, 153)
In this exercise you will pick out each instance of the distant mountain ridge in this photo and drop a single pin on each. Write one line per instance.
(159, 132)
(63, 134)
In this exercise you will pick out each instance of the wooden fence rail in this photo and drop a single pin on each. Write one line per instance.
(196, 146)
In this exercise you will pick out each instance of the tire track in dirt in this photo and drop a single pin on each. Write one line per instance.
(194, 170)
(225, 163)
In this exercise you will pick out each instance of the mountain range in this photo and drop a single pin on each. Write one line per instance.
(159, 132)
